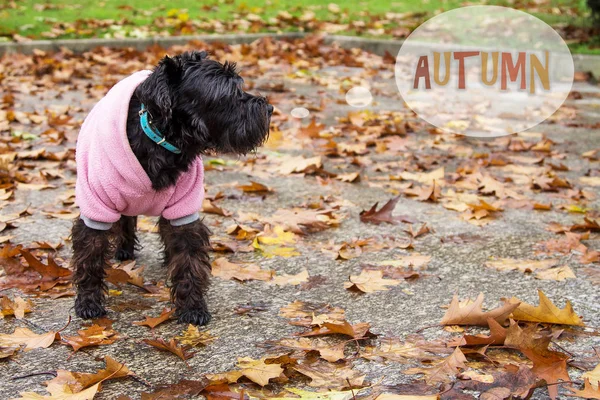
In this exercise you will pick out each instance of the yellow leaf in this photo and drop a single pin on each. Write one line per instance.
(556, 274)
(546, 312)
(257, 371)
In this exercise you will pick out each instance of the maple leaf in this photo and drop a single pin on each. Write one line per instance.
(224, 269)
(472, 314)
(325, 374)
(23, 336)
(52, 270)
(95, 335)
(546, 312)
(193, 337)
(17, 307)
(154, 322)
(258, 371)
(172, 346)
(445, 371)
(370, 281)
(384, 214)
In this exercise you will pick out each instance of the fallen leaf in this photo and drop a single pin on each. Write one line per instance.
(546, 312)
(384, 214)
(154, 322)
(370, 281)
(192, 336)
(472, 314)
(224, 269)
(258, 371)
(23, 336)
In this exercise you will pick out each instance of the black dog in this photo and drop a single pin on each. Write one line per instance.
(199, 106)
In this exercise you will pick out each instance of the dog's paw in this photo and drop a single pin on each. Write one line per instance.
(88, 309)
(123, 255)
(194, 316)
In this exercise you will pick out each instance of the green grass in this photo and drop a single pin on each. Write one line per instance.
(30, 21)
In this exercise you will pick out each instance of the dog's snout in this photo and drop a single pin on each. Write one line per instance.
(270, 109)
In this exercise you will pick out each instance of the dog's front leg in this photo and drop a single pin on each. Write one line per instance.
(188, 263)
(91, 254)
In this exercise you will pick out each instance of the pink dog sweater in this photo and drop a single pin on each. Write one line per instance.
(110, 180)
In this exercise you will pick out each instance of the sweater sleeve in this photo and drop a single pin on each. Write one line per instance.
(189, 193)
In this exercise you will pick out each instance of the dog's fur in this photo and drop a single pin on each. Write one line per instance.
(199, 105)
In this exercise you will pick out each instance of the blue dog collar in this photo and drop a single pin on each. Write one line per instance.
(153, 133)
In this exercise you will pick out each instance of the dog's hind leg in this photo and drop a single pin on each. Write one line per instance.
(187, 260)
(91, 254)
(127, 241)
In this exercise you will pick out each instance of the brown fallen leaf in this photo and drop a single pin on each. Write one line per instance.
(546, 312)
(370, 281)
(51, 270)
(593, 376)
(327, 351)
(525, 266)
(183, 389)
(384, 214)
(307, 314)
(255, 187)
(496, 337)
(356, 331)
(23, 336)
(210, 208)
(172, 346)
(258, 371)
(17, 307)
(95, 335)
(588, 392)
(445, 371)
(62, 392)
(286, 279)
(222, 268)
(154, 322)
(329, 375)
(78, 381)
(556, 274)
(472, 314)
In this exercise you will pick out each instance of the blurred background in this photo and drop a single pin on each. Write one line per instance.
(23, 20)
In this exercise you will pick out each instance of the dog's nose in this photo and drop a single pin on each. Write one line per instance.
(270, 109)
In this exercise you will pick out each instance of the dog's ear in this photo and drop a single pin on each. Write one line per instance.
(157, 91)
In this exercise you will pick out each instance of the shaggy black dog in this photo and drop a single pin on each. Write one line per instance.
(198, 104)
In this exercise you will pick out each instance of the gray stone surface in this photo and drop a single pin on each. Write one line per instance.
(455, 268)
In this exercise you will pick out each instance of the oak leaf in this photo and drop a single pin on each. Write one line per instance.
(301, 313)
(593, 376)
(588, 392)
(472, 314)
(61, 392)
(78, 381)
(445, 371)
(546, 312)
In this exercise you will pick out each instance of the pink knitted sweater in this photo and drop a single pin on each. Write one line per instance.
(110, 180)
